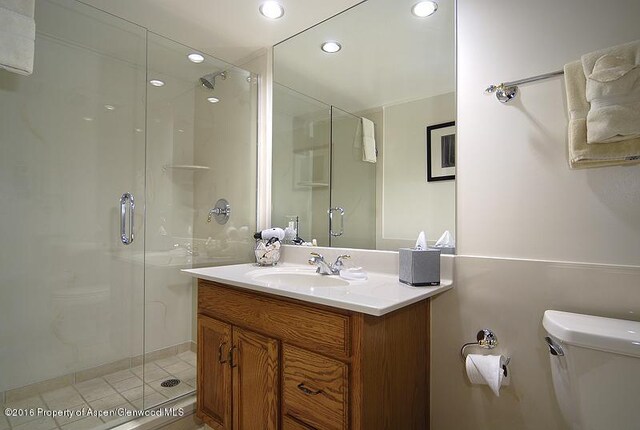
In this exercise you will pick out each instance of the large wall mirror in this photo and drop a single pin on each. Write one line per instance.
(397, 71)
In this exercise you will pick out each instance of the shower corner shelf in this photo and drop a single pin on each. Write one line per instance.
(311, 184)
(188, 167)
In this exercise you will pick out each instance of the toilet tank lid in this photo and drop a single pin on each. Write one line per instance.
(604, 334)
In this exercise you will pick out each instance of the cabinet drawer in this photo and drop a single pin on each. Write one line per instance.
(289, 423)
(302, 325)
(315, 389)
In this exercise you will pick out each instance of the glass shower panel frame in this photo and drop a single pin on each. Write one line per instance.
(353, 185)
(301, 167)
(201, 147)
(72, 143)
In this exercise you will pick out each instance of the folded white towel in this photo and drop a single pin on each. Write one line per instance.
(582, 154)
(23, 7)
(369, 153)
(613, 90)
(17, 36)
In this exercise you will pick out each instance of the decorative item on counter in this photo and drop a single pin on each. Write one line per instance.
(419, 266)
(291, 231)
(446, 244)
(267, 251)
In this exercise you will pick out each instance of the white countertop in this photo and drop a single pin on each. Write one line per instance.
(380, 294)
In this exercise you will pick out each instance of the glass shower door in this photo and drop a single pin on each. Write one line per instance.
(201, 148)
(352, 212)
(72, 156)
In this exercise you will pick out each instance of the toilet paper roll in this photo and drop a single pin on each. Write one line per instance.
(487, 370)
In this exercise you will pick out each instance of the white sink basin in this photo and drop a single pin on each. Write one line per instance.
(281, 277)
(378, 295)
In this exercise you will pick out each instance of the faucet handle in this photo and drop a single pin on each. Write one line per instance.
(315, 257)
(338, 264)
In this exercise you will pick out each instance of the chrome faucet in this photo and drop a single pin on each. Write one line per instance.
(325, 268)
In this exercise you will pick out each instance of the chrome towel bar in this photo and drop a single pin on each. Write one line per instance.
(507, 91)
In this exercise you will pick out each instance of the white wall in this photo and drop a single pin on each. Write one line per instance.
(261, 64)
(518, 200)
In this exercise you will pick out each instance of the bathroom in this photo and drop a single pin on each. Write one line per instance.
(77, 304)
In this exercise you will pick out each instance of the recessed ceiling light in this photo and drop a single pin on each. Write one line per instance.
(156, 82)
(87, 118)
(109, 107)
(271, 9)
(424, 8)
(213, 100)
(331, 47)
(195, 57)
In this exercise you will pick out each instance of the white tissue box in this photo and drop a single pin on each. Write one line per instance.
(419, 267)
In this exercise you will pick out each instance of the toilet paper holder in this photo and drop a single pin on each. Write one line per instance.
(486, 339)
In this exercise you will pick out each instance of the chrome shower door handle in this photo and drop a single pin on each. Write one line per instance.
(331, 211)
(126, 237)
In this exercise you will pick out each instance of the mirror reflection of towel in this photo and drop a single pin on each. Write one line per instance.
(368, 141)
(17, 36)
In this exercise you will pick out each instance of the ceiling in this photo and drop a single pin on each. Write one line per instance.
(388, 56)
(232, 30)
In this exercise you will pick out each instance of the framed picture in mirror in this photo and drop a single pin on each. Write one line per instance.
(441, 152)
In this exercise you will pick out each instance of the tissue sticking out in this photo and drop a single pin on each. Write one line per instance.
(421, 242)
(446, 243)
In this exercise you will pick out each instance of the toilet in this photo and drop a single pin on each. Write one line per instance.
(595, 367)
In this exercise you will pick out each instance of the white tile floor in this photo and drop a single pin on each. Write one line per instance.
(122, 389)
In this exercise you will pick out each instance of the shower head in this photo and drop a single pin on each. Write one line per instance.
(209, 81)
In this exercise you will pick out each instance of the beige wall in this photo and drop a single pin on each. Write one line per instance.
(402, 175)
(518, 201)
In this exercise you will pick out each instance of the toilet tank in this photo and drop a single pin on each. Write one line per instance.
(597, 380)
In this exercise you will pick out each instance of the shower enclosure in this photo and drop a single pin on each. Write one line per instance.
(111, 156)
(318, 172)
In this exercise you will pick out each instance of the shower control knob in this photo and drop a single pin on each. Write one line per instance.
(221, 212)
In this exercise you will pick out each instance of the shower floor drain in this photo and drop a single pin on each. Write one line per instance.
(170, 383)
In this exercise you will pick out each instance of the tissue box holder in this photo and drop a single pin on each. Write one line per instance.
(419, 268)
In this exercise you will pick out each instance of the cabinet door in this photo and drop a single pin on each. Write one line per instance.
(214, 373)
(256, 383)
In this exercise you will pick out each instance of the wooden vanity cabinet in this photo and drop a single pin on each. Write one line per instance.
(239, 377)
(268, 362)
